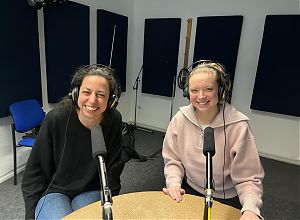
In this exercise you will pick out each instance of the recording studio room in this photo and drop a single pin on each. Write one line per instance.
(152, 50)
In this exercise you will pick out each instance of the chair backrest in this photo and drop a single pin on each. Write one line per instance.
(26, 115)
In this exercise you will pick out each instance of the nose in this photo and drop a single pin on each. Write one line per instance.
(201, 94)
(92, 98)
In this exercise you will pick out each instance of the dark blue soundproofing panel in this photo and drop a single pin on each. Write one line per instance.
(218, 38)
(19, 52)
(161, 46)
(67, 42)
(112, 32)
(277, 82)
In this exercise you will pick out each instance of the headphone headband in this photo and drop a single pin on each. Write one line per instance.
(223, 78)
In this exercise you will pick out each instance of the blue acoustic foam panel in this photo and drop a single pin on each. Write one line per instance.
(112, 32)
(277, 81)
(218, 38)
(20, 57)
(161, 46)
(67, 42)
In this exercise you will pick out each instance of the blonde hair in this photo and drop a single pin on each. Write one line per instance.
(222, 78)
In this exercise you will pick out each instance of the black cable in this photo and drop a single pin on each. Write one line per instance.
(62, 155)
(225, 140)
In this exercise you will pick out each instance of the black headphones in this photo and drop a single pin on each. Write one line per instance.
(98, 70)
(223, 78)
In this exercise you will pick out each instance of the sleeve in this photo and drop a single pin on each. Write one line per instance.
(247, 172)
(114, 163)
(38, 170)
(173, 170)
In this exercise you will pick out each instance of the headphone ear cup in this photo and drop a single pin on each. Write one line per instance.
(186, 92)
(109, 102)
(112, 101)
(75, 94)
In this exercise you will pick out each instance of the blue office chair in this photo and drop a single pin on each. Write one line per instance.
(27, 116)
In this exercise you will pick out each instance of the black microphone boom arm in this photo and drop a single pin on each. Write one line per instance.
(209, 152)
(105, 193)
(209, 181)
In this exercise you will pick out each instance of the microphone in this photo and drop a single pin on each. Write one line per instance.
(38, 4)
(99, 153)
(209, 152)
(209, 141)
(98, 143)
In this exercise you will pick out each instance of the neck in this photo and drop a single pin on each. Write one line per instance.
(89, 122)
(206, 119)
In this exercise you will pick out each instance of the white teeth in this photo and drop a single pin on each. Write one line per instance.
(91, 108)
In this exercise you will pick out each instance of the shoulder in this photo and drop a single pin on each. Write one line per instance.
(232, 113)
(59, 114)
(186, 110)
(177, 118)
(112, 118)
(229, 115)
(113, 114)
(187, 113)
(237, 124)
(60, 111)
(184, 119)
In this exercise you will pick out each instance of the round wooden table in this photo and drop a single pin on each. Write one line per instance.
(156, 205)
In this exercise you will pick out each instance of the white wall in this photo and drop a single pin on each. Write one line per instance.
(277, 136)
(124, 7)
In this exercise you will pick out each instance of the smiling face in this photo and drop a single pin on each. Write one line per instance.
(203, 91)
(92, 100)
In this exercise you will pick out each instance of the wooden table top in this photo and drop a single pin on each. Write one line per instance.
(156, 205)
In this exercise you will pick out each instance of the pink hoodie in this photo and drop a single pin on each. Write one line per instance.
(183, 156)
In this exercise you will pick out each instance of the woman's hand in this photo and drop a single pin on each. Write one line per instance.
(248, 215)
(174, 192)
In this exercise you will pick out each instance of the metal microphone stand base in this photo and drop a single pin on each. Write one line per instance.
(128, 133)
(107, 212)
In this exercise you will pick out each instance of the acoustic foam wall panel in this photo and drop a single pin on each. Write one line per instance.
(112, 32)
(67, 42)
(277, 82)
(217, 38)
(19, 52)
(161, 46)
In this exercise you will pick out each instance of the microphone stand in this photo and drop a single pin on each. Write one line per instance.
(105, 193)
(136, 87)
(112, 46)
(209, 188)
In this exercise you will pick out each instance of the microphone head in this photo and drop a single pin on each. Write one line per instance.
(209, 141)
(98, 144)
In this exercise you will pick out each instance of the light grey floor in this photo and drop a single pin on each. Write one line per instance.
(281, 184)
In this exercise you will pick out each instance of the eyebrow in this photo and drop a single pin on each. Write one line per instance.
(99, 91)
